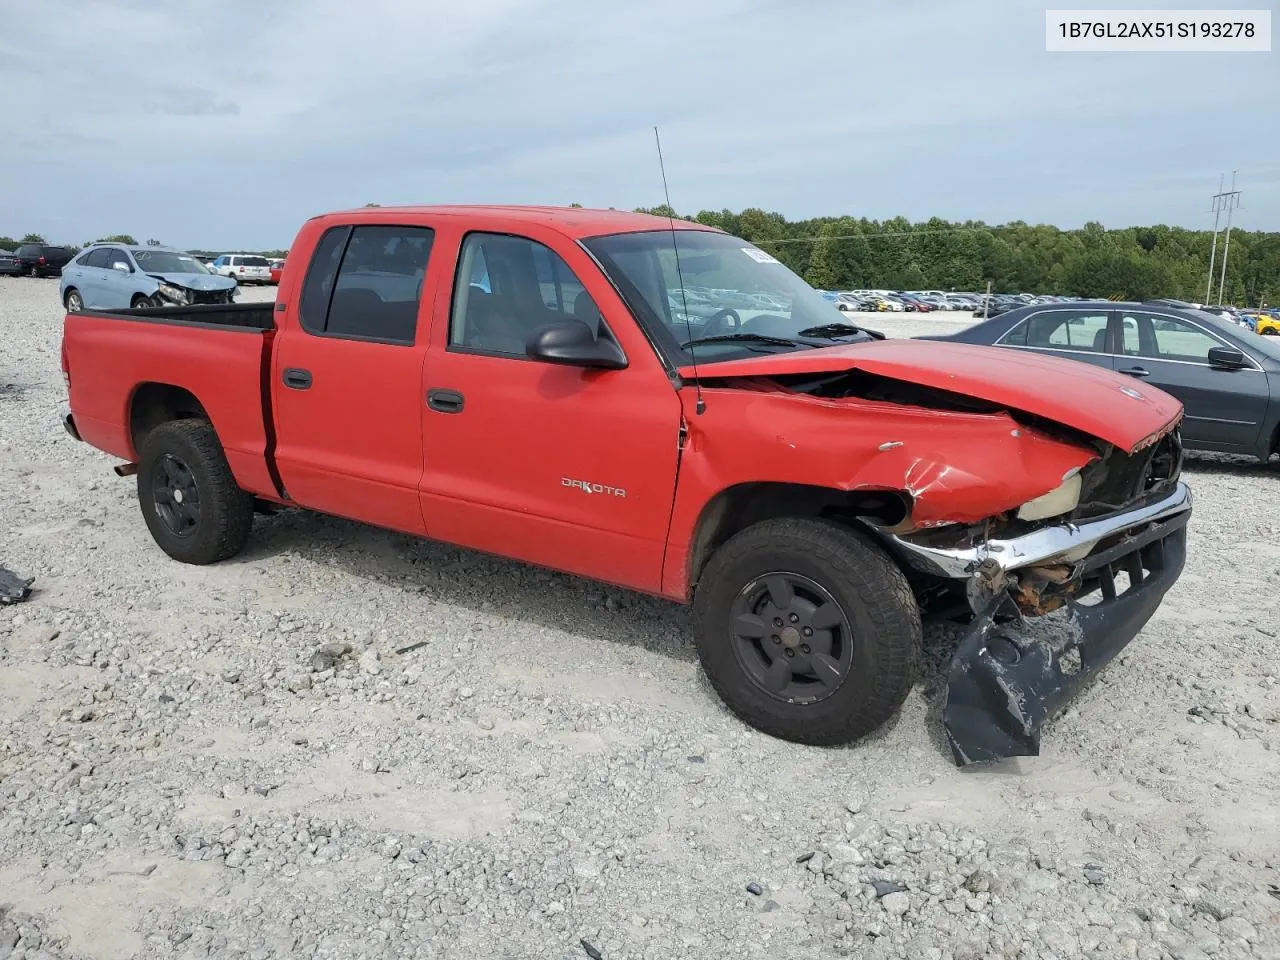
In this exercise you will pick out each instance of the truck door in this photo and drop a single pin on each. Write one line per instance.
(347, 374)
(564, 466)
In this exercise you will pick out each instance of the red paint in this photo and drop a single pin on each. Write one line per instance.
(1079, 395)
(579, 470)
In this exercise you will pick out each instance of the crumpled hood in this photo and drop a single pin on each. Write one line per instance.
(1104, 404)
(195, 281)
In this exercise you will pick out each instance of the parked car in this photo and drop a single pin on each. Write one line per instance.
(41, 259)
(111, 276)
(1227, 377)
(9, 264)
(812, 489)
(277, 268)
(243, 267)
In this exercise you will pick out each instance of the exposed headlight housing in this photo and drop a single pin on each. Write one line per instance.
(172, 293)
(1063, 498)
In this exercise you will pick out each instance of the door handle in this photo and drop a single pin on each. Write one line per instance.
(445, 401)
(1135, 371)
(297, 378)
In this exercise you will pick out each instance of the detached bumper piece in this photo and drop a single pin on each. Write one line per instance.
(14, 589)
(1011, 674)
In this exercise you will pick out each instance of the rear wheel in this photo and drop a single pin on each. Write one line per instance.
(807, 631)
(33, 272)
(74, 302)
(188, 496)
(1269, 332)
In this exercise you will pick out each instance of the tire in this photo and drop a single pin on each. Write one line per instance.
(876, 642)
(73, 301)
(33, 273)
(1268, 332)
(180, 458)
(139, 302)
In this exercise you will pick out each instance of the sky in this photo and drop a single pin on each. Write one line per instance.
(224, 124)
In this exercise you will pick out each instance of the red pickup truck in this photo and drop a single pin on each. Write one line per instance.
(667, 408)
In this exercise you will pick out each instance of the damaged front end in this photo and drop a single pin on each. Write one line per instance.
(1054, 601)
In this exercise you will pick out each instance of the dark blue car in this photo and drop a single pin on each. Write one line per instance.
(1227, 377)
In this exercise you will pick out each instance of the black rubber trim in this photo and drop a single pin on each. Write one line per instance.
(268, 414)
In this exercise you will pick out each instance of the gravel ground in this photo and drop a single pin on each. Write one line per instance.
(234, 761)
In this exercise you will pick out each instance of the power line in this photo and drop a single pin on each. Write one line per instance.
(1232, 202)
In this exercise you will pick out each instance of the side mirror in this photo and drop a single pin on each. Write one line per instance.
(121, 266)
(1226, 358)
(572, 344)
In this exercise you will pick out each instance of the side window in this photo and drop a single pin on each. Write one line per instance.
(115, 255)
(95, 258)
(507, 288)
(1177, 340)
(1017, 337)
(1129, 331)
(365, 283)
(1068, 330)
(321, 274)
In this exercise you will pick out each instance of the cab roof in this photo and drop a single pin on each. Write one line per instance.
(576, 222)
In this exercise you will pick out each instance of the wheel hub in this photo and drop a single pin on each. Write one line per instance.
(792, 637)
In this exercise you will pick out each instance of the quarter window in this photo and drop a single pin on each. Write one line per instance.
(365, 283)
(507, 288)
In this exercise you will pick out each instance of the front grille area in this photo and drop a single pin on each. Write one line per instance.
(208, 296)
(1118, 479)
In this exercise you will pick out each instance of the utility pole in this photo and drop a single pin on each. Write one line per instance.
(1233, 201)
(1213, 251)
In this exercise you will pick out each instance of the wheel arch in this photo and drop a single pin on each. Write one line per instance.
(737, 507)
(153, 403)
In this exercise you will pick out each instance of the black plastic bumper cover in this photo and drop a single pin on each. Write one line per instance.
(1005, 682)
(69, 423)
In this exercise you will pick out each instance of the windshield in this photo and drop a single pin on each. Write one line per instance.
(730, 289)
(166, 261)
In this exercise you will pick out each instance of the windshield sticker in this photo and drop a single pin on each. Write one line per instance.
(759, 256)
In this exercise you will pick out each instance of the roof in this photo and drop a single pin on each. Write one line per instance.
(577, 222)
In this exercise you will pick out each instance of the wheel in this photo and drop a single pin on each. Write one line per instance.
(1269, 332)
(33, 272)
(139, 302)
(807, 631)
(189, 499)
(74, 302)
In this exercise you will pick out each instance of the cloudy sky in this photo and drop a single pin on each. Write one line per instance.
(225, 124)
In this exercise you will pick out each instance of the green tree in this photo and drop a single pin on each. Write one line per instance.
(34, 238)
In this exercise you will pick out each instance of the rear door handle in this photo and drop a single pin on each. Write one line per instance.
(1136, 371)
(445, 401)
(297, 378)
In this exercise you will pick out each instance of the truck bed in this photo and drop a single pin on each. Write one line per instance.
(120, 362)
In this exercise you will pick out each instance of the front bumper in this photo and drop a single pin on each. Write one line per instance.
(1006, 678)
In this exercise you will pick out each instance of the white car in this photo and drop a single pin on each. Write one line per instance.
(243, 267)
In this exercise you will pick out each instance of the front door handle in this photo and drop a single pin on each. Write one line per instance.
(298, 379)
(445, 401)
(1135, 371)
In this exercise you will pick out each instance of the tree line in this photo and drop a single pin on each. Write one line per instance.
(8, 243)
(1134, 263)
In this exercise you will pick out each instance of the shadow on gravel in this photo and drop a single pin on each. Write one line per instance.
(476, 581)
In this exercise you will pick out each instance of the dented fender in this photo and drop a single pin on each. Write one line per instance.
(951, 466)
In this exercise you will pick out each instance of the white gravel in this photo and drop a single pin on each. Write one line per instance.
(185, 772)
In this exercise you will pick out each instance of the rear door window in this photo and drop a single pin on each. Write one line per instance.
(95, 258)
(365, 283)
(1069, 330)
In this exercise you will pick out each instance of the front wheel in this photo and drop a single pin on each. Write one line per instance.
(807, 631)
(140, 301)
(189, 498)
(1269, 332)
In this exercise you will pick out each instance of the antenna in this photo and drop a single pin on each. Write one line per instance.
(701, 405)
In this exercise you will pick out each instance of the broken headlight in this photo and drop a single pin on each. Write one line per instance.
(1063, 498)
(172, 293)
